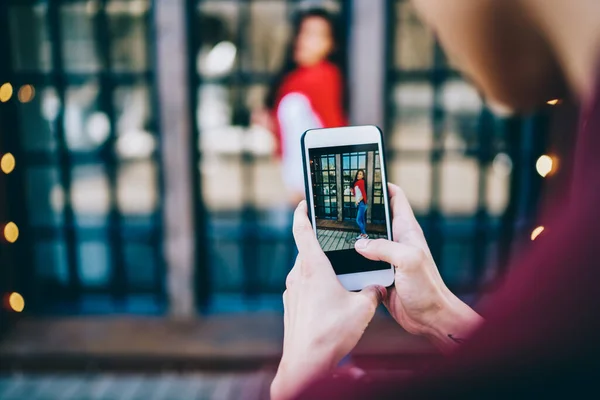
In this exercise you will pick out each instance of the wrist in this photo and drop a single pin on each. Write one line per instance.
(295, 373)
(453, 323)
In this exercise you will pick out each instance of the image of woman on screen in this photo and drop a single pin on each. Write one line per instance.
(309, 92)
(360, 195)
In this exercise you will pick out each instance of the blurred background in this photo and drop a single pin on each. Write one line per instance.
(145, 222)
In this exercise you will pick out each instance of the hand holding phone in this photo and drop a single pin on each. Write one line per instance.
(323, 321)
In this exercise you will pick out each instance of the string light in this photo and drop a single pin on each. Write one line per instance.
(537, 232)
(26, 93)
(6, 92)
(16, 302)
(11, 232)
(554, 102)
(7, 163)
(544, 165)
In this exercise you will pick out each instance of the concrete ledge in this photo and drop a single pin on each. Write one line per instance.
(217, 343)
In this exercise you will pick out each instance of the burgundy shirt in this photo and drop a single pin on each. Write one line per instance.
(542, 330)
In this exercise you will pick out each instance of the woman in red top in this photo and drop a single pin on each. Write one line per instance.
(309, 92)
(360, 195)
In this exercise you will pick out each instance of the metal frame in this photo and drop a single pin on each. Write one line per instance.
(319, 171)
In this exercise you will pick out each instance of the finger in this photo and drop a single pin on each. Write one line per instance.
(311, 254)
(398, 254)
(405, 227)
(292, 276)
(387, 301)
(374, 295)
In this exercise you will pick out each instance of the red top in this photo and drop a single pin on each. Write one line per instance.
(361, 185)
(322, 84)
(540, 338)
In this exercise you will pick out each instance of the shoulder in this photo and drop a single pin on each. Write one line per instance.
(327, 71)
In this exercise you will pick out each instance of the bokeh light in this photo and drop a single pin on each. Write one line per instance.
(544, 165)
(537, 232)
(26, 93)
(554, 102)
(7, 163)
(6, 92)
(11, 232)
(16, 302)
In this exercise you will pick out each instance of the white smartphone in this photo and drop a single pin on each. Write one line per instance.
(346, 190)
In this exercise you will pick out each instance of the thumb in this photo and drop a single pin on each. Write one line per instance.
(383, 250)
(373, 295)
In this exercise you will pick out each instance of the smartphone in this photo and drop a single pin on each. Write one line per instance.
(346, 190)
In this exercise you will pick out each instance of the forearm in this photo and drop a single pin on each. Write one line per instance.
(453, 324)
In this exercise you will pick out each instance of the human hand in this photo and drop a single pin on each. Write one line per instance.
(419, 301)
(322, 320)
(262, 117)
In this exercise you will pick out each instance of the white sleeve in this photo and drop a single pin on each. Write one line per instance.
(358, 193)
(295, 116)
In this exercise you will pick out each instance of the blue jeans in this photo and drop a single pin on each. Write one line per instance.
(361, 217)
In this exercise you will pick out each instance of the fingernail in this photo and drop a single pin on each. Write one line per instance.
(362, 244)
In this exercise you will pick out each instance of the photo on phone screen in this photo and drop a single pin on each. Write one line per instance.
(348, 202)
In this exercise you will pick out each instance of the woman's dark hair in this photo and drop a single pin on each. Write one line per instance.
(356, 179)
(336, 57)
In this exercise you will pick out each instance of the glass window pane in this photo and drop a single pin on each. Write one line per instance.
(216, 28)
(414, 43)
(36, 118)
(267, 37)
(137, 188)
(354, 164)
(140, 265)
(80, 47)
(29, 38)
(45, 196)
(134, 122)
(94, 264)
(362, 162)
(215, 172)
(86, 127)
(412, 129)
(414, 177)
(51, 262)
(459, 185)
(498, 189)
(90, 194)
(129, 34)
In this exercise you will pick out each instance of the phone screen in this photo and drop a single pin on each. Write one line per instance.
(349, 203)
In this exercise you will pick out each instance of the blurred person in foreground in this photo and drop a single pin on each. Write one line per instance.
(308, 93)
(540, 334)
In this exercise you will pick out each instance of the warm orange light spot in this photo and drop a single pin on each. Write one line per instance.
(11, 232)
(537, 232)
(554, 102)
(26, 93)
(544, 165)
(16, 302)
(6, 92)
(7, 163)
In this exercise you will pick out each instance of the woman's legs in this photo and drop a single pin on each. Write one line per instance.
(361, 218)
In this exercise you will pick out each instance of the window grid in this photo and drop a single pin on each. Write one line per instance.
(45, 56)
(325, 187)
